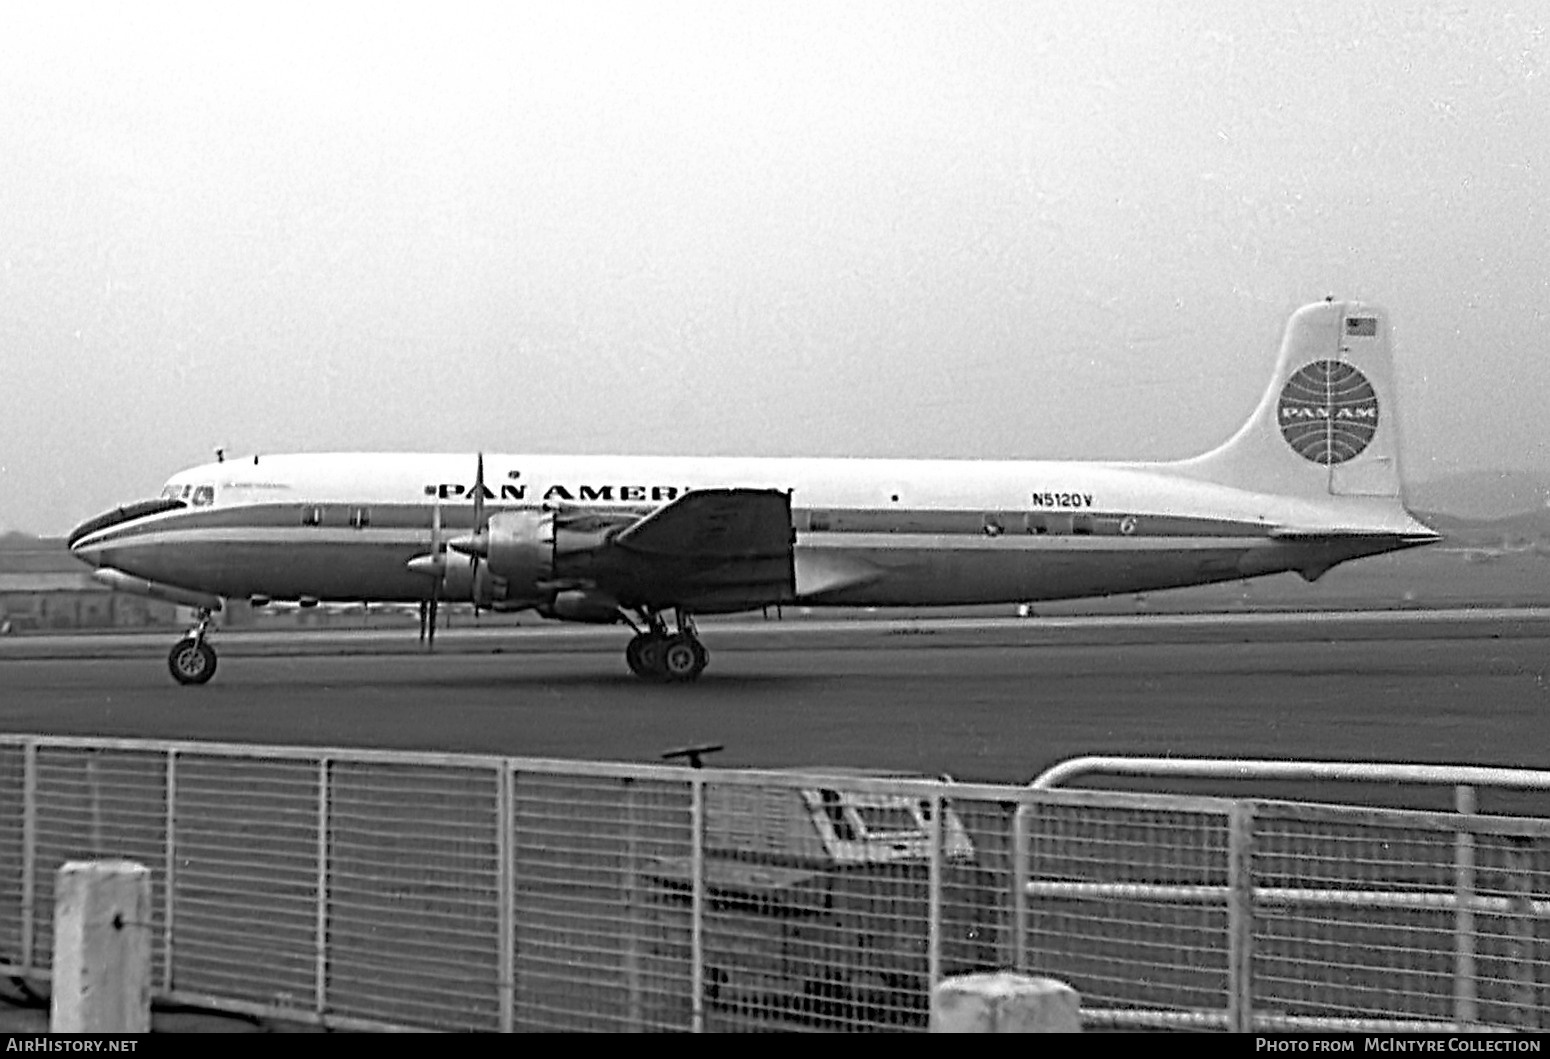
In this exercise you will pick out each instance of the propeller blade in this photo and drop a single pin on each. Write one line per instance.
(428, 608)
(479, 495)
(479, 528)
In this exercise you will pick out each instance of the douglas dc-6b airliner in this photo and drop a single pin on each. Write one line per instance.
(1311, 480)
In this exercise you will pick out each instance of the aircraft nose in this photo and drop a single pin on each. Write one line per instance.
(80, 544)
(88, 553)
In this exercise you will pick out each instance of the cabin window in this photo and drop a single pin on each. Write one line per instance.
(993, 526)
(360, 517)
(818, 521)
(311, 516)
(1082, 524)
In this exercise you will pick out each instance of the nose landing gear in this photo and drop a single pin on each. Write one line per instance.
(667, 657)
(192, 660)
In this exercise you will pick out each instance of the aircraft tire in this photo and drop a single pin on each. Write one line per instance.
(683, 658)
(191, 661)
(643, 654)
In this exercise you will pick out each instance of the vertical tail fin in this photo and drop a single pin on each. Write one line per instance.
(1327, 426)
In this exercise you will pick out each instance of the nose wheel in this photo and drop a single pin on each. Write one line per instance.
(658, 655)
(192, 660)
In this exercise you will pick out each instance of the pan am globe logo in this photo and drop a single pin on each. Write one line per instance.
(1328, 412)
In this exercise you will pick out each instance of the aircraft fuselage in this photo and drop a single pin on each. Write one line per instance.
(867, 532)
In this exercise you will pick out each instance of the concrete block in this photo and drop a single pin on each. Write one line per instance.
(102, 948)
(1004, 1002)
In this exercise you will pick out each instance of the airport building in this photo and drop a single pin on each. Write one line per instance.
(43, 587)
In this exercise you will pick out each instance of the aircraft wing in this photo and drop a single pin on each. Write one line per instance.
(715, 524)
(714, 550)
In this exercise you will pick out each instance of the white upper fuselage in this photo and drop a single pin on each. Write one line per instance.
(875, 485)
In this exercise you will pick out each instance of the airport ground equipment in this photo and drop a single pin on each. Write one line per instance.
(815, 904)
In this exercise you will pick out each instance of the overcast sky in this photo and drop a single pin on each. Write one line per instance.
(999, 229)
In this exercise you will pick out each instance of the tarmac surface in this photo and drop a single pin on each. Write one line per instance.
(982, 699)
(985, 700)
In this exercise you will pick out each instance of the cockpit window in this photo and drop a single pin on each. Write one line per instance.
(204, 495)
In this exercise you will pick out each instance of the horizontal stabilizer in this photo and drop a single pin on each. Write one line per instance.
(1422, 535)
(715, 524)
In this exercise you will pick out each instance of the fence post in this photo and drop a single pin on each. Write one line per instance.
(29, 852)
(505, 918)
(320, 939)
(1021, 869)
(697, 902)
(634, 939)
(1240, 918)
(169, 877)
(102, 948)
(934, 893)
(1465, 1007)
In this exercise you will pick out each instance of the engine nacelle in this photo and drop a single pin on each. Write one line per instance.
(521, 552)
(596, 608)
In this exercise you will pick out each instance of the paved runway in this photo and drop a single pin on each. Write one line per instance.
(995, 700)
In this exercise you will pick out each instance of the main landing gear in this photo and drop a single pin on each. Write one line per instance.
(192, 660)
(656, 654)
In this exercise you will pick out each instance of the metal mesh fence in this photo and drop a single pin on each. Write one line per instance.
(1128, 904)
(1512, 962)
(1422, 919)
(101, 803)
(13, 854)
(414, 884)
(442, 892)
(592, 923)
(246, 879)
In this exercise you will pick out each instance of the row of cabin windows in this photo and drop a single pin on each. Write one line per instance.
(360, 517)
(1077, 524)
(996, 524)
